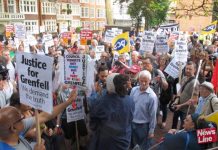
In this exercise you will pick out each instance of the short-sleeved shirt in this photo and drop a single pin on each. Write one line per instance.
(23, 143)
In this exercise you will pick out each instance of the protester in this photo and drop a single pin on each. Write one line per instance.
(187, 93)
(12, 124)
(111, 119)
(208, 101)
(144, 118)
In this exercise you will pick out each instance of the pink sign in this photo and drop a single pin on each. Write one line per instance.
(207, 135)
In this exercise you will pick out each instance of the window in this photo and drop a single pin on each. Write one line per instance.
(85, 24)
(31, 26)
(85, 12)
(84, 1)
(92, 1)
(100, 2)
(48, 8)
(92, 25)
(99, 25)
(100, 13)
(11, 6)
(75, 23)
(50, 25)
(28, 6)
(75, 10)
(92, 12)
(1, 6)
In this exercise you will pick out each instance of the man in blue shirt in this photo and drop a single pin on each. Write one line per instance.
(144, 117)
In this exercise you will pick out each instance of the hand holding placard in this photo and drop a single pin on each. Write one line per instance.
(72, 96)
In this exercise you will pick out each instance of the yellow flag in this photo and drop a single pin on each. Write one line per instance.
(121, 43)
(210, 29)
(213, 117)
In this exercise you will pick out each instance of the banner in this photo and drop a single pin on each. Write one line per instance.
(148, 40)
(167, 29)
(172, 68)
(75, 69)
(121, 43)
(35, 80)
(210, 29)
(76, 110)
(161, 44)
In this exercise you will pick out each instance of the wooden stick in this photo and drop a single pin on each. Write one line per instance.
(77, 136)
(38, 133)
(196, 78)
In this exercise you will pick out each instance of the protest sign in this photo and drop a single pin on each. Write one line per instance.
(121, 43)
(206, 135)
(20, 30)
(161, 44)
(26, 45)
(35, 80)
(167, 29)
(109, 35)
(48, 40)
(9, 29)
(173, 68)
(76, 110)
(117, 31)
(31, 40)
(75, 67)
(65, 36)
(181, 51)
(85, 36)
(99, 49)
(42, 29)
(148, 39)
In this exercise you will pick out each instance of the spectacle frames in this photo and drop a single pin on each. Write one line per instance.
(19, 120)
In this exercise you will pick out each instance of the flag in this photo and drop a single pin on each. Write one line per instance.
(214, 79)
(210, 29)
(121, 43)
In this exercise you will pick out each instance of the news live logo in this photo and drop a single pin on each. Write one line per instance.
(207, 135)
(120, 44)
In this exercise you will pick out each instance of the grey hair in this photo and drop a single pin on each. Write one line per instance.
(110, 83)
(145, 73)
(135, 52)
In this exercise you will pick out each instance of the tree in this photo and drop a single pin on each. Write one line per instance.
(153, 11)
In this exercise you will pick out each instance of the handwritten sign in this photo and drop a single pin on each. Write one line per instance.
(109, 35)
(181, 51)
(35, 80)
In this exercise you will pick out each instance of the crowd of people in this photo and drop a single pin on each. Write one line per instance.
(126, 98)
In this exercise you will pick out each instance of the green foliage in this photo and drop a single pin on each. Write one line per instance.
(153, 11)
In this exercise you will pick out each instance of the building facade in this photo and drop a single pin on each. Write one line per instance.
(188, 22)
(53, 15)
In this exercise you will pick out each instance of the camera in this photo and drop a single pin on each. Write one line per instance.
(212, 57)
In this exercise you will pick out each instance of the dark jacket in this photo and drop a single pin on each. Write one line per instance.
(110, 121)
(180, 141)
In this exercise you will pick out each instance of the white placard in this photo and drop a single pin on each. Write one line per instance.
(109, 35)
(75, 69)
(99, 49)
(148, 39)
(181, 51)
(48, 40)
(173, 68)
(20, 30)
(161, 43)
(42, 29)
(31, 39)
(35, 80)
(26, 45)
(76, 110)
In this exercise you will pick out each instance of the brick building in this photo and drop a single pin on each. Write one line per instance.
(55, 14)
